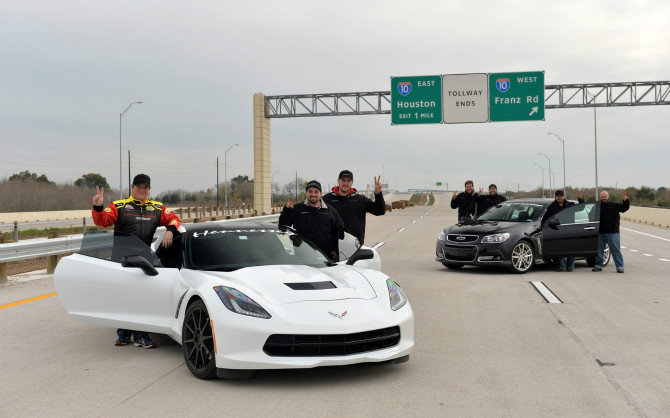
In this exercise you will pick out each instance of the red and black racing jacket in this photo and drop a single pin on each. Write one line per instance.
(132, 217)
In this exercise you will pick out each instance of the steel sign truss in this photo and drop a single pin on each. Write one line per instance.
(329, 104)
(557, 96)
(607, 94)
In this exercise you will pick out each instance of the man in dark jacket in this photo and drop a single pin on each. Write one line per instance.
(315, 221)
(352, 207)
(559, 203)
(609, 230)
(485, 201)
(465, 202)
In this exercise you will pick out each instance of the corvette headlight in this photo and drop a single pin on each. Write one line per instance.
(240, 303)
(397, 295)
(442, 236)
(496, 238)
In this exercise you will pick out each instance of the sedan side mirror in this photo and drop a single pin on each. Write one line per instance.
(553, 223)
(140, 262)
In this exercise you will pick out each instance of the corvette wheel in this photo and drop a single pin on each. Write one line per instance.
(197, 342)
(523, 257)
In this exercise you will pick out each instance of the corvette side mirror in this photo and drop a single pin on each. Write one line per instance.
(139, 262)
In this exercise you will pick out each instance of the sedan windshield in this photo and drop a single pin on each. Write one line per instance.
(513, 212)
(227, 250)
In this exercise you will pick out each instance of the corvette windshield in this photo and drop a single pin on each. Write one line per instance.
(513, 212)
(227, 250)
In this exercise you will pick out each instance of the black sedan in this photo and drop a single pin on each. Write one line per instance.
(512, 235)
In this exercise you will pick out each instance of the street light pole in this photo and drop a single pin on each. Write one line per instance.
(548, 159)
(272, 178)
(562, 142)
(541, 168)
(225, 173)
(120, 155)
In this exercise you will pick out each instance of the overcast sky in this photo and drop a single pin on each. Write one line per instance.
(70, 67)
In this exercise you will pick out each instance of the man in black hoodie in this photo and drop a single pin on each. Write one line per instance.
(609, 230)
(352, 207)
(315, 220)
(485, 201)
(465, 202)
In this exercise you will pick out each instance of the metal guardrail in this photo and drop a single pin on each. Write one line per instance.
(52, 247)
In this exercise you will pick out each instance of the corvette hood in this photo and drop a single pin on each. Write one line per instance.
(288, 284)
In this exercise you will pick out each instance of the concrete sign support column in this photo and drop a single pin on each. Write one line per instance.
(262, 161)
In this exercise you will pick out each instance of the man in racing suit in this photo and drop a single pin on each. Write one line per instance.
(352, 207)
(140, 217)
(315, 221)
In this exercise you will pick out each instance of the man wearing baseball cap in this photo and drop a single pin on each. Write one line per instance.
(352, 207)
(315, 220)
(140, 217)
(560, 203)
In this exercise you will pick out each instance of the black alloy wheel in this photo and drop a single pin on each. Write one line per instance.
(197, 341)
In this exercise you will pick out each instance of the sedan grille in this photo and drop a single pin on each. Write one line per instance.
(461, 238)
(331, 345)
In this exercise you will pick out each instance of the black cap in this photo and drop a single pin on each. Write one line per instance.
(142, 179)
(313, 183)
(346, 174)
(559, 193)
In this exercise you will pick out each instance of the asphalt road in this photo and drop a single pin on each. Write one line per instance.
(487, 344)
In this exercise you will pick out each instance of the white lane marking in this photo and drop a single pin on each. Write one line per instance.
(414, 221)
(664, 259)
(635, 251)
(547, 294)
(379, 244)
(649, 235)
(648, 255)
(401, 229)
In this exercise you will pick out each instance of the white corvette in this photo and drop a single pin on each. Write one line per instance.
(240, 297)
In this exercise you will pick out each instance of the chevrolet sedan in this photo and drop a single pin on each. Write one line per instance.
(512, 235)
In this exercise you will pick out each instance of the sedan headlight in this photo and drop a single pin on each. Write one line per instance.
(442, 236)
(240, 303)
(397, 295)
(496, 238)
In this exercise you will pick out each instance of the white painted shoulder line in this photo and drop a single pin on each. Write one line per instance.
(642, 233)
(547, 294)
(379, 244)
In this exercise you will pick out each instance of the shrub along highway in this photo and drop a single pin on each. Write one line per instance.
(487, 344)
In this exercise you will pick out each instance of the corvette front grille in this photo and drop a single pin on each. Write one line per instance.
(286, 345)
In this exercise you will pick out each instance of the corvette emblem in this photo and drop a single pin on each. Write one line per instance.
(339, 316)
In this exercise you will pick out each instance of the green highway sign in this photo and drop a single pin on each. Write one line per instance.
(516, 96)
(416, 99)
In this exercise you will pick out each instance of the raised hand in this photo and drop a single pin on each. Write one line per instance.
(289, 203)
(378, 184)
(625, 196)
(99, 198)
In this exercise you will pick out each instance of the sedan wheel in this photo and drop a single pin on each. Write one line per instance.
(523, 257)
(197, 342)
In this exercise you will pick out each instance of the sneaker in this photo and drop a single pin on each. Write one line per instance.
(597, 269)
(145, 342)
(122, 340)
(620, 270)
(560, 270)
(569, 269)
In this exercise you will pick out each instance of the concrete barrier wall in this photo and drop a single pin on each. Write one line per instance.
(649, 216)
